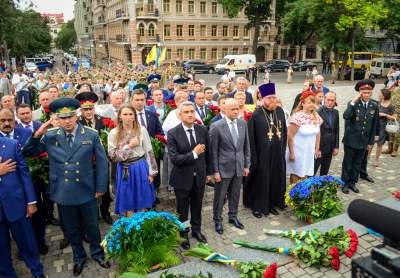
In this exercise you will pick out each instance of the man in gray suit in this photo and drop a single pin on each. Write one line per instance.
(231, 157)
(5, 85)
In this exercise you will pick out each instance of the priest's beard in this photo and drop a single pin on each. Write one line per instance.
(270, 106)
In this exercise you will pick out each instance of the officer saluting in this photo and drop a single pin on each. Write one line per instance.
(90, 119)
(74, 182)
(361, 120)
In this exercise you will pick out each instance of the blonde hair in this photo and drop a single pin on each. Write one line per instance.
(120, 128)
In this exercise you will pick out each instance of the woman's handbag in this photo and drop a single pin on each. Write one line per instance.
(392, 127)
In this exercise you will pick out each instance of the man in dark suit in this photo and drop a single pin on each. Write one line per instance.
(361, 120)
(90, 119)
(200, 105)
(149, 120)
(44, 205)
(190, 153)
(17, 205)
(231, 157)
(8, 129)
(241, 86)
(329, 136)
(75, 181)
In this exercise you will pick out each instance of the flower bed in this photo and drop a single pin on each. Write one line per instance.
(315, 198)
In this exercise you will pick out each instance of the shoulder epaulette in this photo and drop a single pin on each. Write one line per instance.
(53, 128)
(90, 128)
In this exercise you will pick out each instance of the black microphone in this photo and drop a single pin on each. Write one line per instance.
(378, 218)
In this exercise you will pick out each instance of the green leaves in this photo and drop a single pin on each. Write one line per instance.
(251, 269)
(66, 38)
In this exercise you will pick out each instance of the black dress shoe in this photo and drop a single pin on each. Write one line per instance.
(78, 269)
(367, 178)
(43, 249)
(354, 188)
(236, 223)
(157, 201)
(107, 218)
(64, 243)
(273, 211)
(103, 263)
(199, 236)
(185, 244)
(257, 214)
(53, 221)
(219, 228)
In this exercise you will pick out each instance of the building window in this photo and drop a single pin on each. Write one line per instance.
(214, 54)
(214, 30)
(245, 50)
(235, 51)
(191, 30)
(178, 6)
(203, 30)
(224, 31)
(191, 7)
(224, 11)
(167, 30)
(235, 31)
(179, 53)
(168, 54)
(141, 29)
(166, 6)
(203, 7)
(191, 53)
(214, 10)
(224, 52)
(150, 32)
(203, 53)
(179, 31)
(245, 32)
(150, 6)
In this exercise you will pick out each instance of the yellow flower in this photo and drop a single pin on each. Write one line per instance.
(250, 107)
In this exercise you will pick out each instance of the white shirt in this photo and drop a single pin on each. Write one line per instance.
(171, 121)
(26, 125)
(234, 125)
(188, 137)
(11, 134)
(20, 82)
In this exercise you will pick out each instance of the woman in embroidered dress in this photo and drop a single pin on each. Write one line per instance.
(303, 138)
(129, 145)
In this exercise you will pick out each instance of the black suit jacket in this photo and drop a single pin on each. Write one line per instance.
(184, 164)
(329, 131)
(99, 125)
(153, 124)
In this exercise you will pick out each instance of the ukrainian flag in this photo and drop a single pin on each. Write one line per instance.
(152, 56)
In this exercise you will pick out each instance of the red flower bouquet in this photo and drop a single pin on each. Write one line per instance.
(270, 271)
(108, 125)
(169, 106)
(353, 243)
(39, 168)
(213, 111)
(335, 260)
(396, 194)
(149, 102)
(247, 115)
(158, 144)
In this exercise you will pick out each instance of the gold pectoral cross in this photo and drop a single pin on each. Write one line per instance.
(270, 134)
(278, 133)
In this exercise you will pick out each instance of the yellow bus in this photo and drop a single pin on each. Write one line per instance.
(360, 58)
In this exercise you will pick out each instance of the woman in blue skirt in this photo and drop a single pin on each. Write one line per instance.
(129, 145)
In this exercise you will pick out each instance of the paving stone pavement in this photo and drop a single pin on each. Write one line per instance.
(58, 263)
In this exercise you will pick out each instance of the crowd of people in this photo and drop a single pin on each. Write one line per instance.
(96, 132)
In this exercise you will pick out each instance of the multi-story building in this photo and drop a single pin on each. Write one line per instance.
(55, 21)
(125, 30)
(84, 27)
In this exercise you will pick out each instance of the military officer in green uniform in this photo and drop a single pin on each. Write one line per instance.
(361, 120)
(75, 183)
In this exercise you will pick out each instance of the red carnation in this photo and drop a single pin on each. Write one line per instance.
(46, 109)
(335, 261)
(247, 116)
(108, 122)
(270, 272)
(161, 138)
(214, 108)
(43, 155)
(199, 122)
(353, 243)
(396, 194)
(171, 103)
(150, 102)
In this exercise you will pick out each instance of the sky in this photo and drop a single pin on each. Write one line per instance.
(56, 6)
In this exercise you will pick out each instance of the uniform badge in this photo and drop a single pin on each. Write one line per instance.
(86, 142)
(372, 112)
(357, 118)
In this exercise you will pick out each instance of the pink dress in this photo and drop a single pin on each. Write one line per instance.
(304, 144)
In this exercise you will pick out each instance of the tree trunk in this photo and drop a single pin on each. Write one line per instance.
(352, 53)
(335, 70)
(255, 38)
(393, 45)
(344, 63)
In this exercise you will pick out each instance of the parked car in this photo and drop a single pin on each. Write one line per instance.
(303, 66)
(85, 63)
(198, 66)
(44, 65)
(275, 65)
(30, 66)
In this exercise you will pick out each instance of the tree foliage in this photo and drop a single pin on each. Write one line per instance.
(22, 33)
(256, 11)
(66, 38)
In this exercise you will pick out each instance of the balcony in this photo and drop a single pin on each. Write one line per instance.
(144, 11)
(146, 39)
(100, 3)
(121, 39)
(101, 38)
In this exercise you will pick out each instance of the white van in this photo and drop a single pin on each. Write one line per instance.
(380, 66)
(236, 62)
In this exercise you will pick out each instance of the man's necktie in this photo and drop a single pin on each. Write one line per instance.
(192, 141)
(8, 135)
(69, 139)
(142, 122)
(28, 126)
(202, 115)
(89, 123)
(235, 135)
